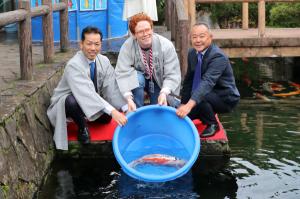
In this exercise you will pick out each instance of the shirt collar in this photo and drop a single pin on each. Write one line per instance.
(203, 52)
(90, 61)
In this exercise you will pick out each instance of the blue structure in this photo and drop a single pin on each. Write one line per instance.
(104, 14)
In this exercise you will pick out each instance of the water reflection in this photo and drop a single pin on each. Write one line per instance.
(265, 163)
(266, 159)
(90, 178)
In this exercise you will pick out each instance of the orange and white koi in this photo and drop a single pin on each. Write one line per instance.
(297, 92)
(272, 86)
(297, 86)
(158, 159)
(262, 97)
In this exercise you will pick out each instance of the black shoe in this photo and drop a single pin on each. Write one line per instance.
(84, 136)
(210, 130)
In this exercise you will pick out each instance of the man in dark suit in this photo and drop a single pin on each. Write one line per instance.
(209, 85)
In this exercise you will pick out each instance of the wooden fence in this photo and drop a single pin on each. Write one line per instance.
(178, 22)
(180, 15)
(23, 16)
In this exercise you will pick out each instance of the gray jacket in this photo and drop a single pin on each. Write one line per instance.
(76, 80)
(165, 61)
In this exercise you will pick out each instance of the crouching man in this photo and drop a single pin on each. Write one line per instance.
(87, 90)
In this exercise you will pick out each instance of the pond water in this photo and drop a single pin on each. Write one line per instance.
(264, 137)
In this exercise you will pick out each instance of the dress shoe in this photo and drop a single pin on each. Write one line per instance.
(84, 136)
(210, 130)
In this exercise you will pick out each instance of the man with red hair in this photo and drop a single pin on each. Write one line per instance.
(148, 63)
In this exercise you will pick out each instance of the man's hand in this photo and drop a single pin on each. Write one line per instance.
(185, 109)
(119, 117)
(131, 105)
(162, 99)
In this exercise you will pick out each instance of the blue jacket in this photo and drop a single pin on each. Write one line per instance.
(216, 76)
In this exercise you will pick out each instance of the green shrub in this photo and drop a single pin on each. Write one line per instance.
(285, 15)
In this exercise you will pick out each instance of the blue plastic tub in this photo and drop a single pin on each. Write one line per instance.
(156, 130)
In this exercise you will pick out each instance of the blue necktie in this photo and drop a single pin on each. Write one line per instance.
(92, 70)
(197, 74)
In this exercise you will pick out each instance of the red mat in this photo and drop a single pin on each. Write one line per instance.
(104, 132)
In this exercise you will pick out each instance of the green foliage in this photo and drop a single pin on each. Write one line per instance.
(160, 4)
(5, 189)
(285, 15)
(277, 14)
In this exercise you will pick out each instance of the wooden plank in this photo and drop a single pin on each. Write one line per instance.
(39, 11)
(64, 27)
(192, 12)
(261, 18)
(184, 27)
(245, 16)
(12, 17)
(48, 33)
(60, 6)
(180, 10)
(261, 52)
(173, 21)
(168, 13)
(25, 42)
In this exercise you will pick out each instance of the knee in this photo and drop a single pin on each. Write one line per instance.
(141, 79)
(71, 102)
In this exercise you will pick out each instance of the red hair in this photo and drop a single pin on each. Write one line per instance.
(137, 18)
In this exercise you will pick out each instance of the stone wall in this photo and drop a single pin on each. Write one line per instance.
(26, 146)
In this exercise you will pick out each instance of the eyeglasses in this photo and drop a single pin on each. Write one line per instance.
(143, 32)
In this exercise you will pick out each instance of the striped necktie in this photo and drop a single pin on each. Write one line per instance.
(197, 74)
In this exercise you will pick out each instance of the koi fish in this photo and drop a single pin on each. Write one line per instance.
(297, 92)
(272, 86)
(297, 86)
(158, 159)
(263, 97)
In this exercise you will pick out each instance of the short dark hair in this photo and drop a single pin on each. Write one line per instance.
(90, 29)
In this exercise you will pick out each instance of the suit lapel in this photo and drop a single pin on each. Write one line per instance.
(205, 58)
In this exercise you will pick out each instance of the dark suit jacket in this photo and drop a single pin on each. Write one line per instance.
(216, 76)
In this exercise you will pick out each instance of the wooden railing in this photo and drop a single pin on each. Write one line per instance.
(180, 15)
(245, 11)
(23, 16)
(177, 21)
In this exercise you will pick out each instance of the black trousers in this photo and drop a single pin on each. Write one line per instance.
(208, 107)
(74, 111)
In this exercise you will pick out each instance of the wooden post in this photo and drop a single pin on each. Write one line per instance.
(192, 12)
(184, 40)
(173, 21)
(245, 15)
(168, 13)
(186, 7)
(48, 33)
(25, 42)
(176, 30)
(64, 28)
(261, 18)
